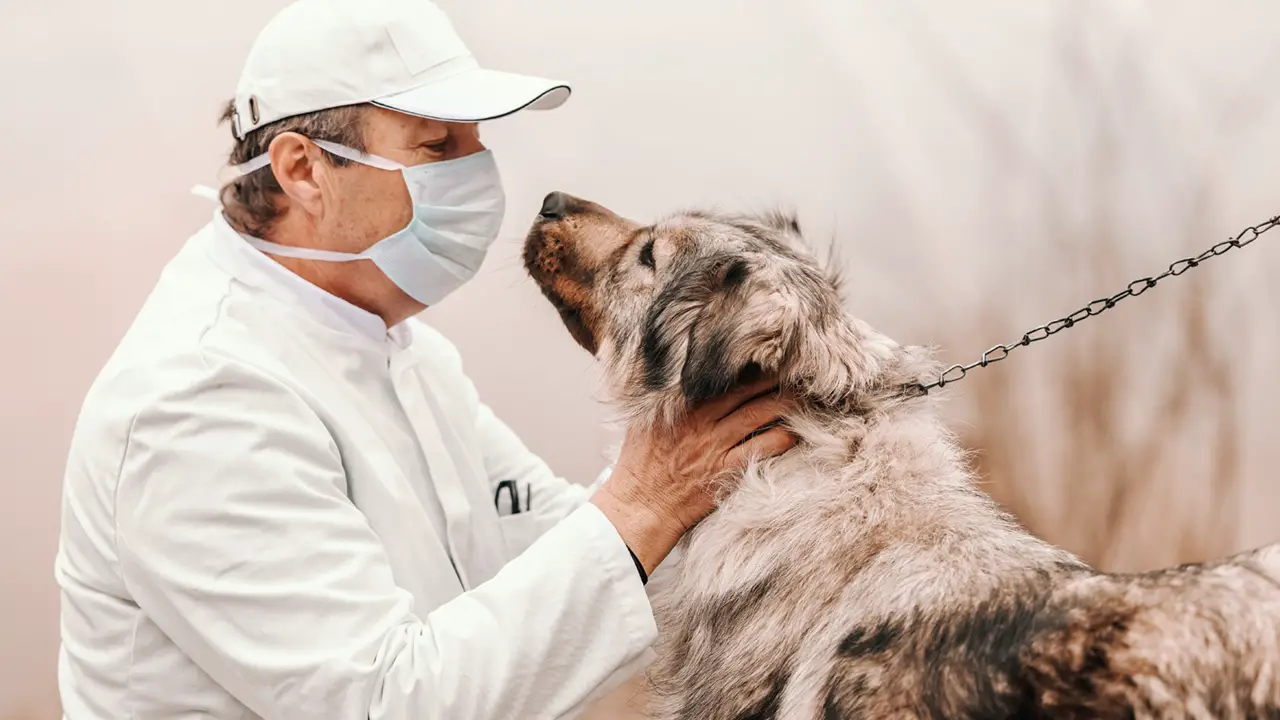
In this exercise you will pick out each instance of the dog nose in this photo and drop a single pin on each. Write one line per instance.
(553, 206)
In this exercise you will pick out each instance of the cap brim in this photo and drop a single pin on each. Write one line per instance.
(477, 95)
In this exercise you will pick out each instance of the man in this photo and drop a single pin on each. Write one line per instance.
(284, 498)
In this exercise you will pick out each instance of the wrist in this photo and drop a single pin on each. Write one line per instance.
(646, 534)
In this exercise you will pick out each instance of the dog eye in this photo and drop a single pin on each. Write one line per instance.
(646, 254)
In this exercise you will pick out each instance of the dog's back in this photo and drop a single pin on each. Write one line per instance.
(1194, 642)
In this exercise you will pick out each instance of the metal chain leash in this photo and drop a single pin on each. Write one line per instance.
(1097, 307)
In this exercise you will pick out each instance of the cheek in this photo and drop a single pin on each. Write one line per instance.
(626, 294)
(623, 319)
(371, 206)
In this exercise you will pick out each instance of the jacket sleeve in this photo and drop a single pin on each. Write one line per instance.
(236, 536)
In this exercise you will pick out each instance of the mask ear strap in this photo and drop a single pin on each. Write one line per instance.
(206, 192)
(232, 173)
(363, 158)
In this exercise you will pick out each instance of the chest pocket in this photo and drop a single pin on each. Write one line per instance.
(518, 532)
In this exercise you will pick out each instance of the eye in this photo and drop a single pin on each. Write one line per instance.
(438, 147)
(646, 254)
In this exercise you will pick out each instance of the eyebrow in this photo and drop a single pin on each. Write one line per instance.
(422, 132)
(636, 234)
(426, 138)
(645, 232)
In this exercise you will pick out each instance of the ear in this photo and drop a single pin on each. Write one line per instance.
(294, 162)
(784, 228)
(713, 360)
(783, 222)
(784, 322)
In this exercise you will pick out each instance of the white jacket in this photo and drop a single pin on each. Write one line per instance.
(275, 507)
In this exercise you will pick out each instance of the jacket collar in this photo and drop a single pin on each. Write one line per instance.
(252, 267)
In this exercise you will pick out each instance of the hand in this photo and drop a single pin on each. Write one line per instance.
(666, 478)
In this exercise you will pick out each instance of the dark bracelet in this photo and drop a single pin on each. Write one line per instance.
(644, 576)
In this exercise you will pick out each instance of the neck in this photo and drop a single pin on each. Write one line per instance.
(355, 287)
(859, 484)
(359, 282)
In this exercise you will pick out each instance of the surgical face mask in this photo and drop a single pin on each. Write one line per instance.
(458, 207)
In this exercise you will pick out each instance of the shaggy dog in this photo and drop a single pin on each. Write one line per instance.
(862, 574)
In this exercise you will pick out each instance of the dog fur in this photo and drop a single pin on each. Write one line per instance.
(863, 574)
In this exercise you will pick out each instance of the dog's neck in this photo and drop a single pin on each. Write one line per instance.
(862, 492)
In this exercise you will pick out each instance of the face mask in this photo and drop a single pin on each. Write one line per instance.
(458, 207)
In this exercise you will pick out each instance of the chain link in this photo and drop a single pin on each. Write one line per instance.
(1095, 308)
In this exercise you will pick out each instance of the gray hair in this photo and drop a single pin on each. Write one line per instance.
(250, 202)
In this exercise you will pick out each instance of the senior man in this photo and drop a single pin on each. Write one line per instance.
(284, 498)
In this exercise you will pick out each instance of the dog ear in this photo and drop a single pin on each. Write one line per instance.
(783, 222)
(713, 362)
(783, 321)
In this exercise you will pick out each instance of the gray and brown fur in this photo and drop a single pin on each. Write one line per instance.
(863, 574)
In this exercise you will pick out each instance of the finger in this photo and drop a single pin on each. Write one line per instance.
(770, 443)
(749, 418)
(720, 407)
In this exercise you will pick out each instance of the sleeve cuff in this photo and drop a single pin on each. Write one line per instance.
(615, 559)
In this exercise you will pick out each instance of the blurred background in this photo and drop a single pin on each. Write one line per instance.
(981, 168)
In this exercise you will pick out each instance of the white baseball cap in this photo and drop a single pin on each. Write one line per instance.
(401, 54)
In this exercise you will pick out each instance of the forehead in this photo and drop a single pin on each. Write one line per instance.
(389, 124)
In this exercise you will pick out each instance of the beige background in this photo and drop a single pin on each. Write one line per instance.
(982, 167)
